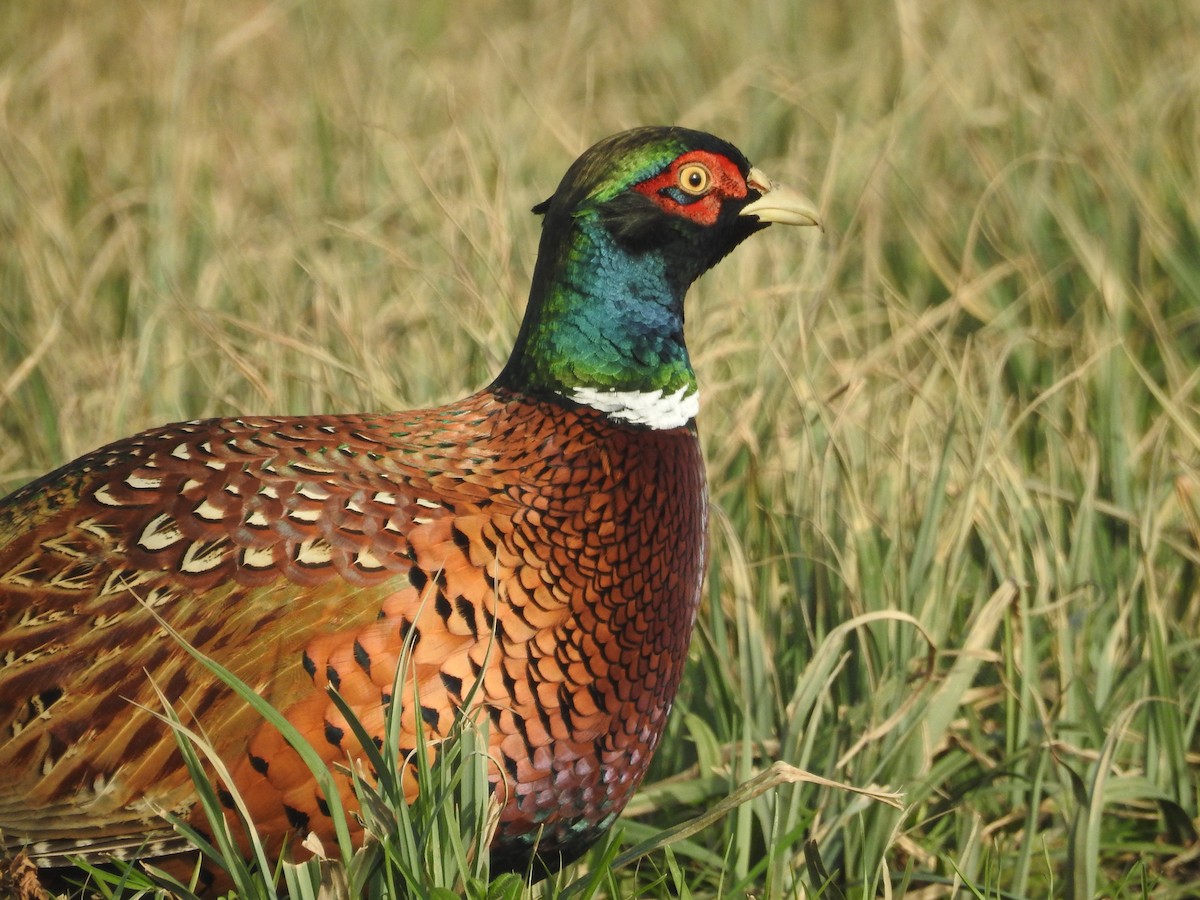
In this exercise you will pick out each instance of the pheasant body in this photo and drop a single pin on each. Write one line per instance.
(531, 555)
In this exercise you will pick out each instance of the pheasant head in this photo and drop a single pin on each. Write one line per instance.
(638, 218)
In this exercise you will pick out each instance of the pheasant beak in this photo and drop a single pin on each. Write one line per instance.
(779, 203)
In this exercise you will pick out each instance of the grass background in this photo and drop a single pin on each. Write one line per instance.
(954, 444)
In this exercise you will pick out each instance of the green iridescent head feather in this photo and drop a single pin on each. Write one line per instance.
(615, 164)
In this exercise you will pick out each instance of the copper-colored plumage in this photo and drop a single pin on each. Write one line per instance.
(302, 553)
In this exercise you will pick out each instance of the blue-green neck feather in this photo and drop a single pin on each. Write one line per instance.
(605, 317)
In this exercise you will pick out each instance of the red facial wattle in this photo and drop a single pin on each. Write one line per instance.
(681, 190)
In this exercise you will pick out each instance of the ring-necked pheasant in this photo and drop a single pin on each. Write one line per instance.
(542, 540)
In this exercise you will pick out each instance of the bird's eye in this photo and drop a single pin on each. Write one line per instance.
(694, 179)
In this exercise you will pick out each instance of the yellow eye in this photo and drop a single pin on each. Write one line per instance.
(694, 179)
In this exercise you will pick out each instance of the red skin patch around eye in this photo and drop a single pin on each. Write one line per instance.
(727, 183)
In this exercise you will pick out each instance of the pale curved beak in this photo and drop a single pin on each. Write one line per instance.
(780, 204)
